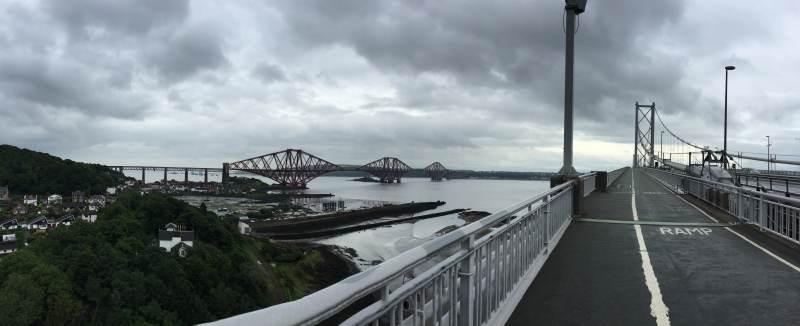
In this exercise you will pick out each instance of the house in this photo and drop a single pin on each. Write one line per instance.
(30, 200)
(96, 202)
(8, 245)
(90, 217)
(64, 220)
(111, 191)
(78, 196)
(175, 237)
(10, 224)
(19, 209)
(244, 225)
(4, 193)
(39, 223)
(54, 200)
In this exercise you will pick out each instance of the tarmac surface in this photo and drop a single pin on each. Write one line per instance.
(685, 274)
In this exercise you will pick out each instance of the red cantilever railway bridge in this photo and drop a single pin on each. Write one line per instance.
(295, 168)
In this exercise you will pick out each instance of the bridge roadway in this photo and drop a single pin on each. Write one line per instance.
(597, 274)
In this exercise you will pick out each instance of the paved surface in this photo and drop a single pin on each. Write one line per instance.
(597, 274)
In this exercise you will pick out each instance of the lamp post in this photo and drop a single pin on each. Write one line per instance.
(725, 136)
(768, 156)
(572, 8)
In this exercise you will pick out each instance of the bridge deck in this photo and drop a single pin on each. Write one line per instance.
(688, 275)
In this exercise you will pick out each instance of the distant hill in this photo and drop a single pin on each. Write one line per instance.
(27, 171)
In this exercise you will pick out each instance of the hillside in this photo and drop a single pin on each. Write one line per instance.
(27, 171)
(112, 272)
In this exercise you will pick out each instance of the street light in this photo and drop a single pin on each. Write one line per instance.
(572, 8)
(725, 136)
(768, 156)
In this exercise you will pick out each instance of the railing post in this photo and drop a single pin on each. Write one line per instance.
(761, 215)
(466, 290)
(740, 206)
(546, 216)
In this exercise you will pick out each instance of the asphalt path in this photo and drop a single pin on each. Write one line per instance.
(639, 274)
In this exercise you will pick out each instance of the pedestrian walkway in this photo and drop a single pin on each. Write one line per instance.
(685, 271)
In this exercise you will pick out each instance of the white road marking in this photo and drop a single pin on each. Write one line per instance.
(778, 258)
(658, 309)
(684, 231)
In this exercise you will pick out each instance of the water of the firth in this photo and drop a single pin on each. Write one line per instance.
(385, 242)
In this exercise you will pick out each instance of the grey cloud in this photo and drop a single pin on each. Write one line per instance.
(488, 46)
(128, 16)
(65, 87)
(269, 73)
(185, 54)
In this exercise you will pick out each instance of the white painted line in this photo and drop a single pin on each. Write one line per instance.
(658, 309)
(778, 258)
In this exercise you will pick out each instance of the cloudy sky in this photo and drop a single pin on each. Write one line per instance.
(473, 84)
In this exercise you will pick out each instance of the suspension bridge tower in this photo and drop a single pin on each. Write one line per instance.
(645, 134)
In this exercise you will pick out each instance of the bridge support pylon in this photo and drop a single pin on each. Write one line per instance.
(644, 134)
(226, 170)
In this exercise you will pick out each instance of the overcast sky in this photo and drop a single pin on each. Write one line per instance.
(473, 84)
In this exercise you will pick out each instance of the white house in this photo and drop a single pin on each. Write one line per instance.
(111, 191)
(54, 200)
(244, 225)
(64, 220)
(39, 223)
(10, 224)
(90, 217)
(31, 200)
(173, 236)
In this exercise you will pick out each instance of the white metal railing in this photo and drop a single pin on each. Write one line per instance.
(613, 175)
(768, 172)
(589, 183)
(474, 275)
(773, 213)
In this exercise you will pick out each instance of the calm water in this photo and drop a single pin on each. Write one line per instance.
(385, 242)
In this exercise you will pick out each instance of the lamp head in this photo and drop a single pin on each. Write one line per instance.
(578, 5)
(730, 67)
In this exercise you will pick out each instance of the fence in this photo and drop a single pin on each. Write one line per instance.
(474, 275)
(772, 213)
(588, 183)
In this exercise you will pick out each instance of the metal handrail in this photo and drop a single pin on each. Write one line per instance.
(776, 214)
(589, 183)
(472, 238)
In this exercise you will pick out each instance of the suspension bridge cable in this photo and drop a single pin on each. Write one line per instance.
(673, 134)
